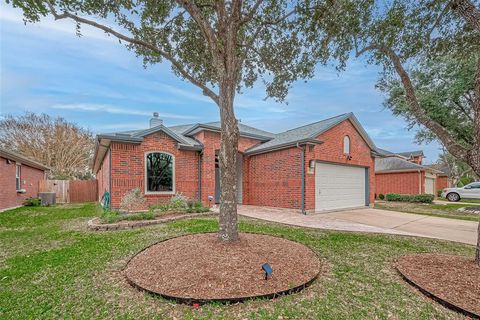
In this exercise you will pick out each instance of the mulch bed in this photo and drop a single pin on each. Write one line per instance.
(96, 224)
(454, 281)
(199, 268)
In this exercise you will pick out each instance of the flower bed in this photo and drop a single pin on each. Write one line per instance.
(96, 224)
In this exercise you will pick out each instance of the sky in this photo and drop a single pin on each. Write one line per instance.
(96, 82)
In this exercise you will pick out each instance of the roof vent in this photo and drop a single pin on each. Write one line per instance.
(155, 121)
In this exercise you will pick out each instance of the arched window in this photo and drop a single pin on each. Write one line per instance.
(346, 145)
(159, 172)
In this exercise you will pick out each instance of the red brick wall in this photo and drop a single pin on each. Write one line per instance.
(103, 176)
(442, 182)
(128, 168)
(275, 179)
(29, 181)
(400, 182)
(331, 150)
(211, 143)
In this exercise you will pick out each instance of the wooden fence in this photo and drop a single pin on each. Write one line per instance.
(70, 191)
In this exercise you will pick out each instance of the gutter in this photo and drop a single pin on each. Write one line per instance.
(303, 178)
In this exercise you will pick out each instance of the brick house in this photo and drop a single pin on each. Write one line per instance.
(404, 173)
(321, 166)
(19, 177)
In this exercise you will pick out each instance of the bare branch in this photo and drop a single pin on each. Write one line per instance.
(178, 66)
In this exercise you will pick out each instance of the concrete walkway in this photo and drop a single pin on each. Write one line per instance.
(372, 220)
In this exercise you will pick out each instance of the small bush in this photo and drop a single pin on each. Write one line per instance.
(381, 196)
(32, 202)
(114, 216)
(439, 193)
(180, 203)
(417, 198)
(132, 200)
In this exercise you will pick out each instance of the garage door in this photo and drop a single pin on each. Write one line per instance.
(339, 187)
(429, 186)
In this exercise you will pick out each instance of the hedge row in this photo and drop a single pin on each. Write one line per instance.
(423, 198)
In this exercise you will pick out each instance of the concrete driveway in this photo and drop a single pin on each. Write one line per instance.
(372, 220)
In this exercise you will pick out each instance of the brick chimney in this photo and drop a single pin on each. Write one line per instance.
(155, 121)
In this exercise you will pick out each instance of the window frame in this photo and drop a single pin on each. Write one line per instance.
(349, 144)
(146, 174)
(18, 177)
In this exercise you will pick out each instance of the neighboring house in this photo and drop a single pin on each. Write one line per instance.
(321, 166)
(404, 173)
(19, 177)
(443, 176)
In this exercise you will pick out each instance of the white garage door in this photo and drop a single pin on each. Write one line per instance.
(338, 187)
(429, 186)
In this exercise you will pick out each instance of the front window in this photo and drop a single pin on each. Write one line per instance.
(18, 183)
(160, 172)
(346, 145)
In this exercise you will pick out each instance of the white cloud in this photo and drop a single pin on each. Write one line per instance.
(117, 110)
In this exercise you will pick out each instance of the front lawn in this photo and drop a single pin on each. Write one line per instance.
(51, 267)
(463, 200)
(437, 210)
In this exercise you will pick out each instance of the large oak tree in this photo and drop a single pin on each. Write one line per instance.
(219, 46)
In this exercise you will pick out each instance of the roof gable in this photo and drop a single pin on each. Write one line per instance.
(309, 133)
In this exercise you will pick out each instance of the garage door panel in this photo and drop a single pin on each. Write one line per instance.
(338, 187)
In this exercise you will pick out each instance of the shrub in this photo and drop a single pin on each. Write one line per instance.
(439, 193)
(180, 203)
(417, 198)
(132, 200)
(32, 202)
(111, 216)
(381, 196)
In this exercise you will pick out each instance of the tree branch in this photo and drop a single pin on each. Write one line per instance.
(453, 147)
(66, 15)
(203, 24)
(249, 16)
(467, 10)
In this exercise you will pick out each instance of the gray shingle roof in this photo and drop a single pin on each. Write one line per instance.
(396, 164)
(408, 154)
(307, 132)
(15, 156)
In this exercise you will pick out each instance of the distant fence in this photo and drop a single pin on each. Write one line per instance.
(70, 191)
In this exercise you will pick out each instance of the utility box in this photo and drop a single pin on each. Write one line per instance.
(47, 198)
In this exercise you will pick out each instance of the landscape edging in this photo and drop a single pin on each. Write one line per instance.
(95, 225)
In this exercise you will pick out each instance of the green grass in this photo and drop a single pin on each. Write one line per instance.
(51, 267)
(464, 200)
(436, 210)
(112, 216)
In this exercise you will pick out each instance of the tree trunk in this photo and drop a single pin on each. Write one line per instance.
(474, 155)
(228, 162)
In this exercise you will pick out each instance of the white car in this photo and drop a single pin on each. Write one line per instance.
(470, 191)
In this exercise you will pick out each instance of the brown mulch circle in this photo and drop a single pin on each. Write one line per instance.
(199, 268)
(454, 281)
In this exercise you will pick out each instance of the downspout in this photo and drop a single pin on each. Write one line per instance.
(200, 155)
(303, 178)
(419, 182)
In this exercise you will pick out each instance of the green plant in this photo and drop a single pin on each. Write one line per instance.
(32, 202)
(439, 193)
(419, 198)
(381, 196)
